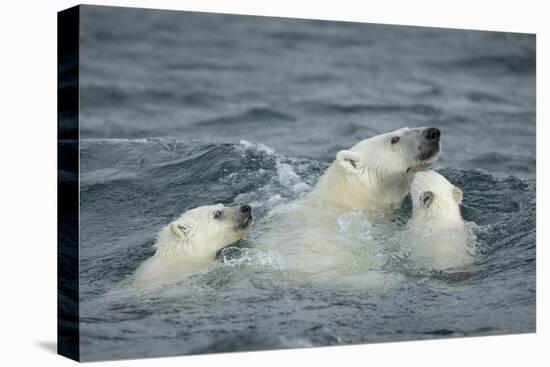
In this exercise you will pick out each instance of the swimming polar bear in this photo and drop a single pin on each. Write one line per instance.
(372, 176)
(437, 235)
(435, 202)
(190, 243)
(377, 171)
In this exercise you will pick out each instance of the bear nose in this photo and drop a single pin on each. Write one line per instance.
(432, 134)
(246, 209)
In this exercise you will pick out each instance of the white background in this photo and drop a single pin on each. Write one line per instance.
(28, 181)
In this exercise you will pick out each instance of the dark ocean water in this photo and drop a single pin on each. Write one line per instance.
(186, 109)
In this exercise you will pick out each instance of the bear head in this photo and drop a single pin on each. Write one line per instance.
(435, 200)
(382, 166)
(202, 231)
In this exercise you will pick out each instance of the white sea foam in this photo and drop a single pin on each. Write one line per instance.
(258, 146)
(286, 175)
(250, 257)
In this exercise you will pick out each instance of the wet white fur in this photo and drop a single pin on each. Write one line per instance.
(371, 176)
(443, 210)
(437, 234)
(372, 173)
(189, 243)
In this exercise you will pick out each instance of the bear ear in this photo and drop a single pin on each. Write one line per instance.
(457, 194)
(179, 230)
(349, 160)
(427, 198)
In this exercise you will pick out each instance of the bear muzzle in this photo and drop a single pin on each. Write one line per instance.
(245, 216)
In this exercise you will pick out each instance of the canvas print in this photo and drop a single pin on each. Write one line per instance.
(239, 183)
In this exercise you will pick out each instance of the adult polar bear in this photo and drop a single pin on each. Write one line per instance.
(373, 175)
(377, 172)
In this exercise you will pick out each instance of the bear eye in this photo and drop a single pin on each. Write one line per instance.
(217, 214)
(427, 198)
(395, 139)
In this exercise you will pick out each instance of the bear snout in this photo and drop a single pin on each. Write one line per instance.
(432, 134)
(245, 216)
(246, 209)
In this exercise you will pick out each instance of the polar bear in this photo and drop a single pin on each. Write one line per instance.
(435, 202)
(190, 243)
(377, 171)
(373, 176)
(437, 235)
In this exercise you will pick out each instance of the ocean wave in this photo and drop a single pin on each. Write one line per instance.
(496, 63)
(255, 115)
(503, 163)
(370, 108)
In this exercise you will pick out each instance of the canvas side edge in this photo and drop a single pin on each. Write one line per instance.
(68, 330)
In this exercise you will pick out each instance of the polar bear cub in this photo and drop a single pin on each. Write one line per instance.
(435, 202)
(440, 236)
(192, 241)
